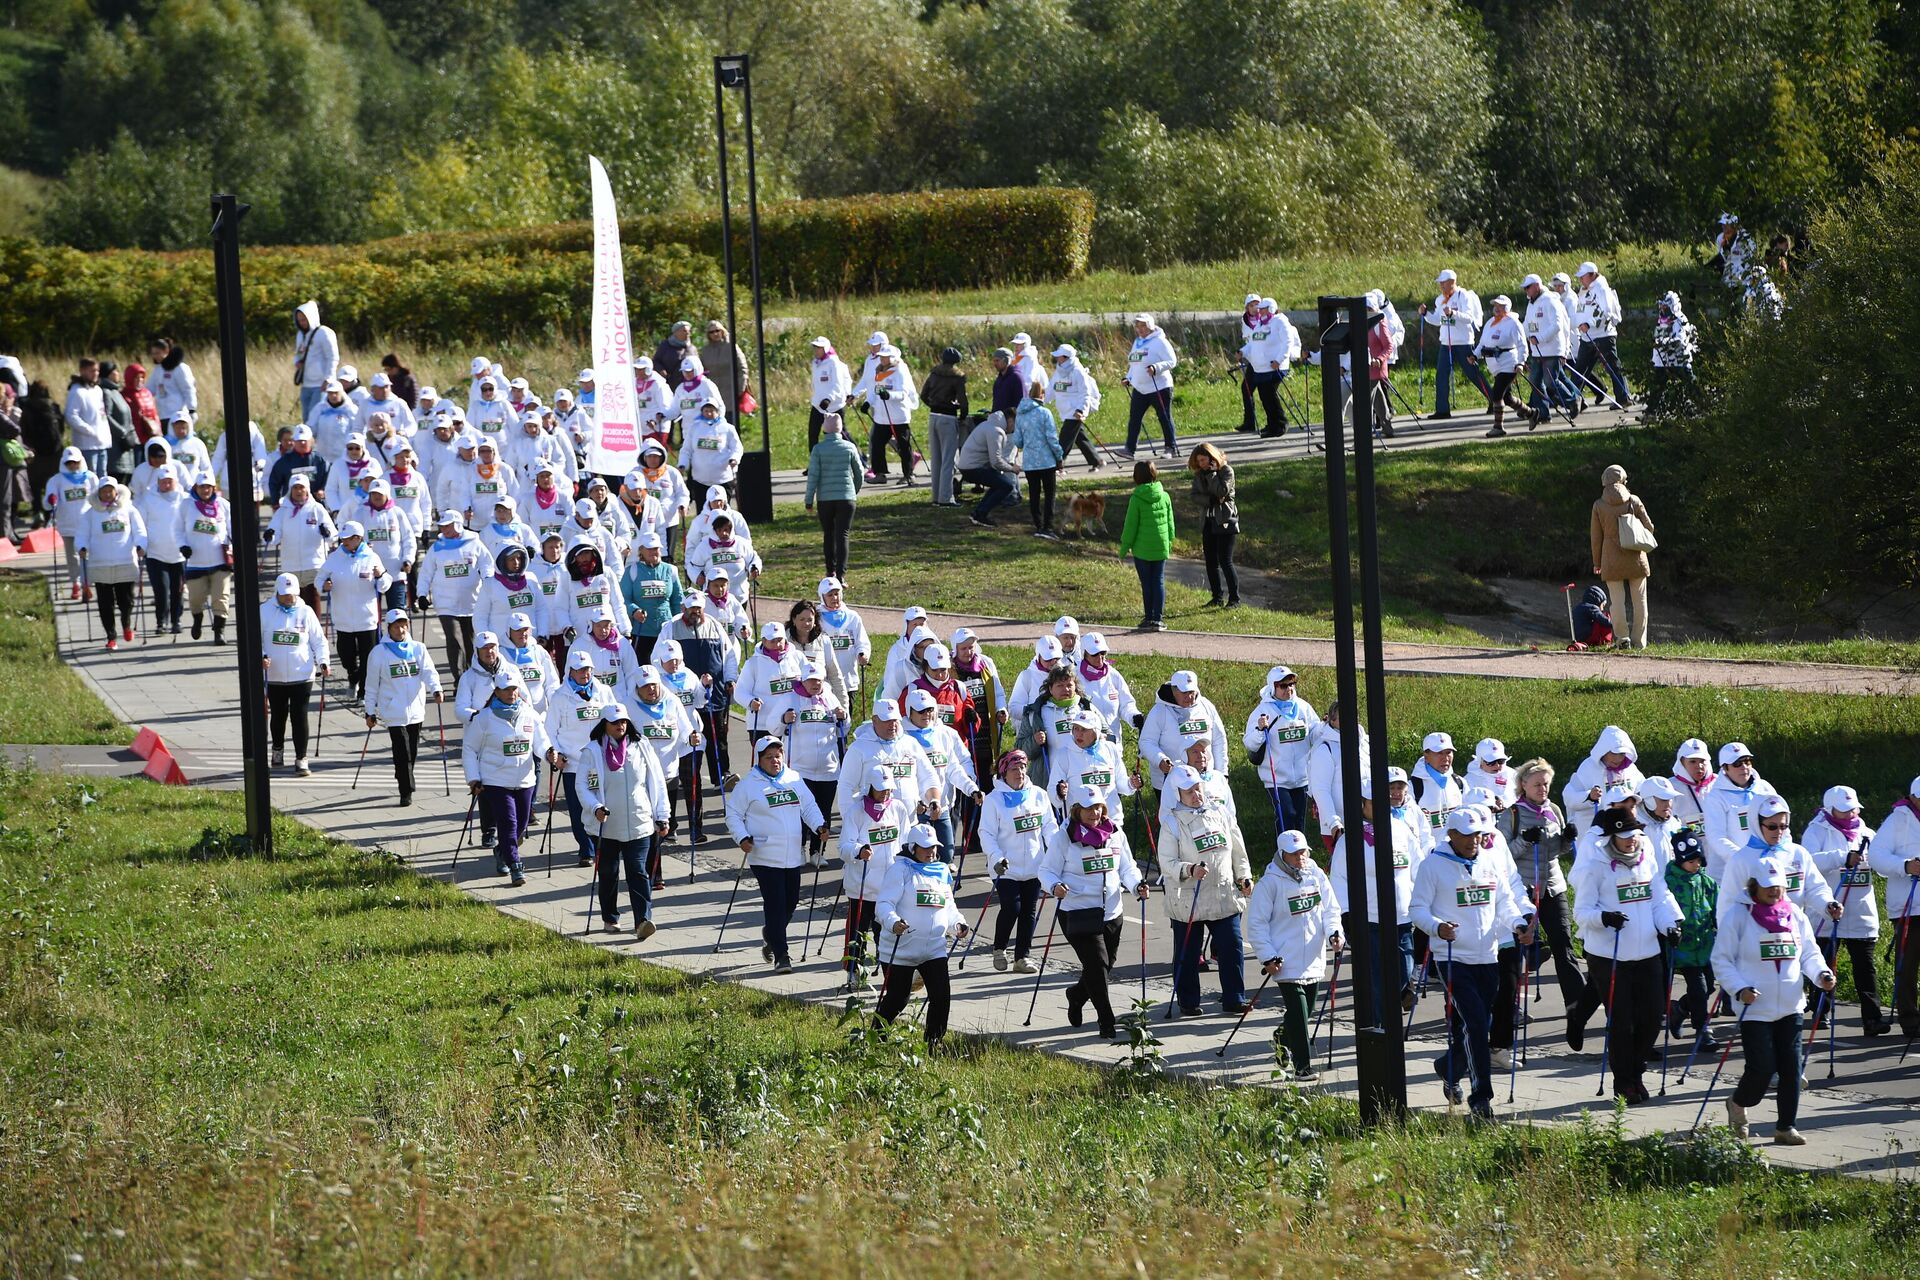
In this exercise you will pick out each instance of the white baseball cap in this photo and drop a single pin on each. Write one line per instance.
(585, 375)
(1290, 842)
(1490, 750)
(1083, 796)
(286, 585)
(1693, 749)
(878, 338)
(1658, 789)
(1093, 643)
(920, 836)
(1445, 276)
(1841, 799)
(1086, 718)
(1586, 269)
(770, 631)
(936, 656)
(1066, 625)
(828, 584)
(519, 622)
(1437, 742)
(879, 778)
(505, 679)
(352, 529)
(645, 676)
(380, 380)
(1734, 751)
(1183, 777)
(1770, 806)
(921, 700)
(1530, 280)
(1185, 681)
(613, 711)
(579, 658)
(1047, 649)
(1470, 821)
(486, 639)
(1618, 793)
(811, 670)
(649, 539)
(885, 709)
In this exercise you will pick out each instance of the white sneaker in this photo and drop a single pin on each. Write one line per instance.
(1025, 964)
(300, 768)
(1502, 1059)
(1736, 1118)
(1788, 1137)
(279, 758)
(1000, 960)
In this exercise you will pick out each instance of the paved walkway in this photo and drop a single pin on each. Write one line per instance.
(1866, 1122)
(1436, 659)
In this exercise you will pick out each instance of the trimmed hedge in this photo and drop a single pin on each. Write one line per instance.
(860, 244)
(54, 298)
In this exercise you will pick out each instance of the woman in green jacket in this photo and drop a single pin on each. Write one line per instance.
(834, 475)
(1148, 538)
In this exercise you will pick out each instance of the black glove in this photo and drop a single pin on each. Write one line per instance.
(1533, 835)
(186, 553)
(885, 394)
(1138, 720)
(824, 404)
(1672, 934)
(1613, 919)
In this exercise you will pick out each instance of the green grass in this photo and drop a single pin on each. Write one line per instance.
(41, 698)
(319, 1064)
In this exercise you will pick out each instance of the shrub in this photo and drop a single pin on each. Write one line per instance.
(56, 298)
(924, 240)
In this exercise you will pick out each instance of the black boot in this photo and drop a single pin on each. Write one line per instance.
(219, 630)
(196, 626)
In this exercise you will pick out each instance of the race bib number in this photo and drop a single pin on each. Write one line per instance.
(73, 495)
(1208, 841)
(589, 599)
(945, 713)
(1696, 825)
(1742, 815)
(938, 759)
(1096, 864)
(782, 798)
(406, 491)
(113, 526)
(724, 555)
(1796, 881)
(842, 643)
(593, 780)
(377, 534)
(935, 898)
(653, 589)
(457, 569)
(685, 696)
(1859, 878)
(779, 685)
(1135, 357)
(1061, 388)
(1062, 728)
(976, 689)
(1438, 818)
(707, 442)
(1291, 733)
(606, 678)
(1027, 822)
(486, 486)
(286, 637)
(1635, 891)
(402, 670)
(1097, 778)
(517, 747)
(658, 733)
(589, 711)
(902, 768)
(531, 675)
(814, 715)
(205, 526)
(882, 835)
(1304, 903)
(519, 599)
(1195, 726)
(1400, 861)
(1473, 895)
(1788, 949)
(547, 588)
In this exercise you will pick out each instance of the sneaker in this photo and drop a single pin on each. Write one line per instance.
(584, 861)
(1439, 417)
(1156, 626)
(1736, 1118)
(1025, 964)
(1496, 433)
(766, 954)
(112, 644)
(1789, 1137)
(518, 879)
(977, 522)
(278, 758)
(1274, 433)
(74, 594)
(999, 961)
(1453, 1093)
(126, 633)
(1198, 1011)
(785, 966)
(1306, 1077)
(1235, 1009)
(644, 930)
(406, 799)
(1502, 1059)
(300, 768)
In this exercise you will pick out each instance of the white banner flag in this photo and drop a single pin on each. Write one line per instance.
(615, 447)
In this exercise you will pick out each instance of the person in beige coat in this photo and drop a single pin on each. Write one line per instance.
(1625, 572)
(1208, 881)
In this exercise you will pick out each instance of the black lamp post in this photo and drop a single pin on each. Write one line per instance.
(733, 71)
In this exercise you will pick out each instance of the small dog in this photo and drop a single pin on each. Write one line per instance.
(1084, 509)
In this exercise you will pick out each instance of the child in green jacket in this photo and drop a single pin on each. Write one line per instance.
(1692, 956)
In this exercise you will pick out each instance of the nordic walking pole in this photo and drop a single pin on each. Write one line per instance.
(1519, 1022)
(1423, 364)
(1418, 985)
(737, 877)
(446, 771)
(140, 601)
(1313, 1033)
(1221, 1052)
(980, 920)
(1453, 1085)
(1613, 984)
(1824, 997)
(320, 725)
(1143, 950)
(1666, 1020)
(1333, 1002)
(1571, 638)
(826, 925)
(593, 877)
(813, 903)
(364, 740)
(1906, 918)
(546, 838)
(1186, 937)
(461, 843)
(1713, 1007)
(1042, 972)
(1701, 1114)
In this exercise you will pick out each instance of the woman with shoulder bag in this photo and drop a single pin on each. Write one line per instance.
(1219, 521)
(1621, 534)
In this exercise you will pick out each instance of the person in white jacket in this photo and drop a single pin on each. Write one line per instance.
(157, 460)
(295, 651)
(394, 538)
(355, 584)
(846, 634)
(316, 353)
(1326, 772)
(1435, 787)
(950, 765)
(508, 590)
(451, 570)
(1549, 337)
(872, 828)
(475, 685)
(769, 812)
(1455, 313)
(1407, 832)
(1467, 904)
(160, 506)
(621, 787)
(1150, 363)
(1610, 761)
(1016, 824)
(883, 740)
(1075, 396)
(1763, 956)
(1598, 324)
(710, 449)
(1215, 786)
(1266, 347)
(921, 925)
(1839, 841)
(1628, 917)
(1896, 855)
(1501, 347)
(1692, 775)
(204, 528)
(1772, 843)
(401, 678)
(1088, 867)
(830, 387)
(1728, 806)
(1087, 758)
(1179, 708)
(69, 495)
(1489, 768)
(112, 541)
(538, 676)
(500, 754)
(722, 548)
(814, 721)
(1292, 922)
(1204, 859)
(891, 400)
(1276, 743)
(661, 722)
(694, 392)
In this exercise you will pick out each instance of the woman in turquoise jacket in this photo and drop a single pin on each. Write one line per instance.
(1038, 440)
(1148, 538)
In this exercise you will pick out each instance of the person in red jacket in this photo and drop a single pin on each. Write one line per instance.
(146, 413)
(1380, 369)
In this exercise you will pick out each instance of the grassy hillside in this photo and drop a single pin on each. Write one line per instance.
(321, 1065)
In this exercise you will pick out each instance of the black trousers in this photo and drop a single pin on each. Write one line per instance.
(632, 856)
(689, 792)
(458, 634)
(1073, 435)
(898, 989)
(1267, 387)
(1040, 496)
(816, 842)
(1222, 580)
(354, 648)
(1866, 976)
(109, 595)
(1639, 995)
(1606, 351)
(836, 531)
(901, 437)
(168, 584)
(406, 754)
(289, 701)
(1096, 949)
